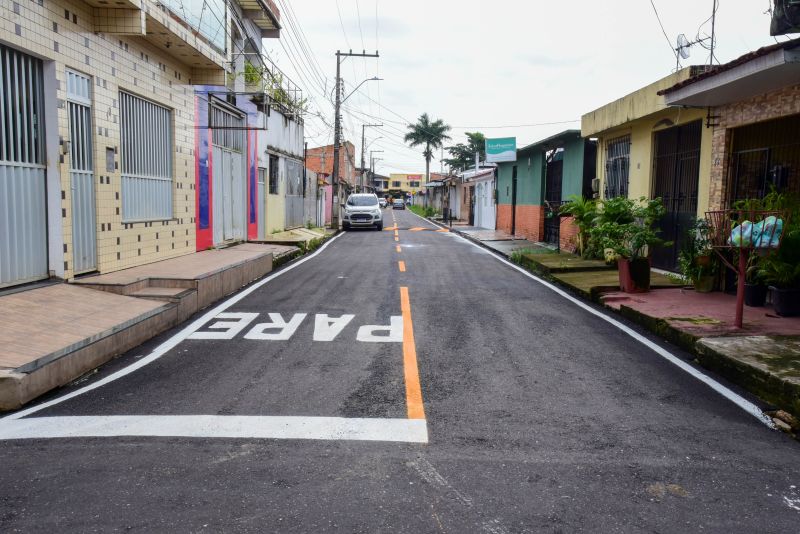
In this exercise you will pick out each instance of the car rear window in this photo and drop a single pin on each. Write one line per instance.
(362, 201)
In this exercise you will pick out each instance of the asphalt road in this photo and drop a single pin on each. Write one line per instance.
(535, 415)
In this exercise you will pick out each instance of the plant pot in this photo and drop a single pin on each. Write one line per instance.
(705, 284)
(634, 275)
(786, 302)
(702, 261)
(755, 295)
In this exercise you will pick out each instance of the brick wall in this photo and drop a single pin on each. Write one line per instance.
(504, 217)
(530, 222)
(757, 109)
(568, 234)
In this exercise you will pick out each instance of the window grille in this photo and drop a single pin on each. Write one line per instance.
(21, 108)
(273, 175)
(227, 129)
(618, 154)
(146, 157)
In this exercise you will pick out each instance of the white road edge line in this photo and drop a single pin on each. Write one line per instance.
(218, 426)
(170, 343)
(726, 392)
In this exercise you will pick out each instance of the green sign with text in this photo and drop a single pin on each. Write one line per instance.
(501, 149)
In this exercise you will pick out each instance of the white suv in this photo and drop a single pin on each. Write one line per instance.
(362, 210)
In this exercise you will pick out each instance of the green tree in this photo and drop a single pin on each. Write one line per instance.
(462, 156)
(430, 134)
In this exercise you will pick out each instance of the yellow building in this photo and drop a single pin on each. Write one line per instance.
(647, 149)
(102, 174)
(407, 183)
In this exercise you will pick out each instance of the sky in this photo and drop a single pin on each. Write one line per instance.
(523, 68)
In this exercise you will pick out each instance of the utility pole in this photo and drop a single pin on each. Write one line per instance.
(713, 30)
(363, 146)
(337, 126)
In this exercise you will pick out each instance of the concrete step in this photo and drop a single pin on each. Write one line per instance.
(168, 294)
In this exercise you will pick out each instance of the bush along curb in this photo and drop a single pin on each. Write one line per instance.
(305, 247)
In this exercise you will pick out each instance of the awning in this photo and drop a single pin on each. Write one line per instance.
(763, 71)
(434, 184)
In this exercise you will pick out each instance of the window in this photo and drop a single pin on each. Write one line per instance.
(396, 184)
(618, 155)
(413, 184)
(273, 175)
(146, 157)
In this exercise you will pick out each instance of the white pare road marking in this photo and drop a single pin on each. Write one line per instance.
(218, 426)
(172, 342)
(277, 329)
(392, 333)
(326, 328)
(726, 392)
(226, 329)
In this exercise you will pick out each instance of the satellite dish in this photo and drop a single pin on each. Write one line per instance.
(683, 46)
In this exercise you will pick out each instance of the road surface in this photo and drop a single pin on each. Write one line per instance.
(397, 381)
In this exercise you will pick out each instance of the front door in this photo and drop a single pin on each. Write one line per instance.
(261, 195)
(81, 163)
(23, 230)
(471, 205)
(228, 175)
(552, 197)
(294, 194)
(514, 200)
(676, 174)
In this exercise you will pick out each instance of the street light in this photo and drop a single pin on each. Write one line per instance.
(337, 122)
(373, 79)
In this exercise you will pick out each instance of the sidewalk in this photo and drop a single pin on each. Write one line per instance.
(763, 357)
(55, 333)
(498, 240)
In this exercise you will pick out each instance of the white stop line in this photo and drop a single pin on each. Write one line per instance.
(19, 426)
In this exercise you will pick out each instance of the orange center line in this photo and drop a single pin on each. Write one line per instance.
(416, 409)
(398, 248)
(402, 265)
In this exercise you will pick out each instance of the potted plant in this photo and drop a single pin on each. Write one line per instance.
(783, 278)
(632, 241)
(696, 259)
(781, 270)
(755, 290)
(583, 211)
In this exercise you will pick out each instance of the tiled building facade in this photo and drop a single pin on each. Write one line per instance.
(69, 38)
(97, 144)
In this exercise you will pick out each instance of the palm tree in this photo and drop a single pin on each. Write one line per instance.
(431, 134)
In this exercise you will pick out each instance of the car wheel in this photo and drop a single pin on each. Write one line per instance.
(379, 227)
(345, 226)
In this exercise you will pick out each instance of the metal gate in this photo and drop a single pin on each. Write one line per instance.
(765, 156)
(23, 232)
(676, 172)
(294, 194)
(228, 175)
(552, 197)
(84, 227)
(261, 195)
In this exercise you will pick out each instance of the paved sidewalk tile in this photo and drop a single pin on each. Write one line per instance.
(47, 319)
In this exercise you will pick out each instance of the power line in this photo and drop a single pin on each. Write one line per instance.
(655, 10)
